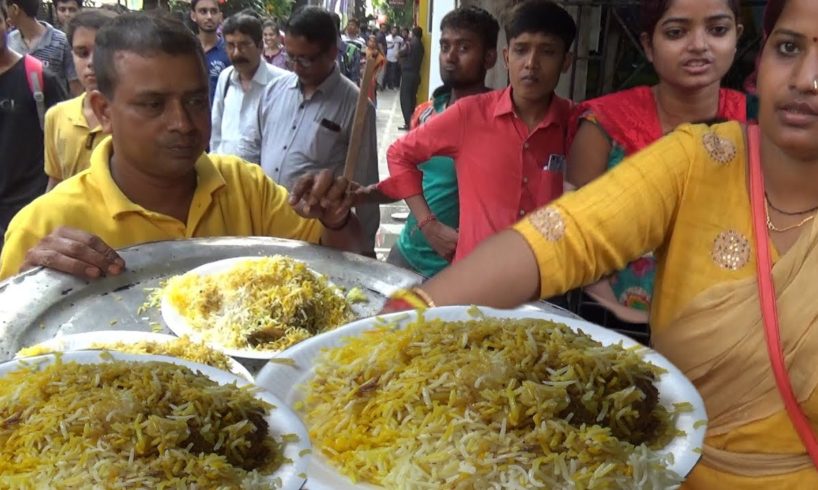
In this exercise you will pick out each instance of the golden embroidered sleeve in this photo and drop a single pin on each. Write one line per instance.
(615, 219)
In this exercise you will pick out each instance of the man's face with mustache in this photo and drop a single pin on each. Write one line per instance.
(244, 53)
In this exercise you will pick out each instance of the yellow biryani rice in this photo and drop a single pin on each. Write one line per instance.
(182, 347)
(489, 403)
(131, 425)
(267, 304)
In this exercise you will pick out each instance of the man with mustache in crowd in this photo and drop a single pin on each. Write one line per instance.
(304, 123)
(240, 87)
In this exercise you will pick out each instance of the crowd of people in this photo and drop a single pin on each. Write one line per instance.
(304, 73)
(659, 204)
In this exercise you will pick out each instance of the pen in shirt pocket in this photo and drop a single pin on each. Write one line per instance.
(555, 163)
(332, 126)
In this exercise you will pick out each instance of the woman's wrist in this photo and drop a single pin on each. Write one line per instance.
(412, 298)
(425, 221)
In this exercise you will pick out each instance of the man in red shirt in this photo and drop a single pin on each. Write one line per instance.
(508, 145)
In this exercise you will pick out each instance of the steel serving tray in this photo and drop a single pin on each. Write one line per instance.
(41, 304)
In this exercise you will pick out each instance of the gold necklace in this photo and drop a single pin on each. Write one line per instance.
(772, 227)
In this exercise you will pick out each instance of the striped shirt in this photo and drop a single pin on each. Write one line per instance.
(52, 49)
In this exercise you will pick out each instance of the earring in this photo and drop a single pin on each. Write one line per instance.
(815, 85)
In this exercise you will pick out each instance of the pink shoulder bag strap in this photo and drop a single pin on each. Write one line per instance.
(766, 293)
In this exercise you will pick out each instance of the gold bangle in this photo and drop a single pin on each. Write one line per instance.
(410, 298)
(424, 296)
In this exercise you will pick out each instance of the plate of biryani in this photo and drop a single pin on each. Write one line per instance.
(468, 398)
(138, 342)
(252, 307)
(98, 419)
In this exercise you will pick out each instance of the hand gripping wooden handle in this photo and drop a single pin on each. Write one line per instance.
(359, 121)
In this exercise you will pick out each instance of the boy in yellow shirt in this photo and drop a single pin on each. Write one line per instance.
(71, 129)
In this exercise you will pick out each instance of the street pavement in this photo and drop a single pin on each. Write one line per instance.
(389, 119)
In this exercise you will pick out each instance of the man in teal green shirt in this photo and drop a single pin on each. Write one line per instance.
(468, 49)
(412, 249)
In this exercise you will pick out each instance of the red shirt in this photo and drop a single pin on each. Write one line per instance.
(502, 169)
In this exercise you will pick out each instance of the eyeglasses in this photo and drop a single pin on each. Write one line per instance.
(302, 61)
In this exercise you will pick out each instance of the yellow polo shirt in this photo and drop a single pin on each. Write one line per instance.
(232, 198)
(69, 141)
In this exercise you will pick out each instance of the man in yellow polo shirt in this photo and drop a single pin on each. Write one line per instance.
(151, 179)
(71, 128)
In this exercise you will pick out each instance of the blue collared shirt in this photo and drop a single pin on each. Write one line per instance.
(293, 135)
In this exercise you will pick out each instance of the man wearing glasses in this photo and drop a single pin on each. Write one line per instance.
(240, 86)
(305, 118)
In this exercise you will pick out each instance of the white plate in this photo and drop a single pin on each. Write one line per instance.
(673, 386)
(281, 419)
(86, 340)
(179, 325)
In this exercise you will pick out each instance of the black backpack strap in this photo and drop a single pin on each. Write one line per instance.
(227, 83)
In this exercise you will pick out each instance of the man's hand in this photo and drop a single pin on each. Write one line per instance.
(442, 238)
(74, 252)
(324, 197)
(369, 194)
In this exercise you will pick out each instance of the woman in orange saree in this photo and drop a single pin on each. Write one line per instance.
(687, 197)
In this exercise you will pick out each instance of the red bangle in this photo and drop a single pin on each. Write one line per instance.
(425, 221)
(394, 305)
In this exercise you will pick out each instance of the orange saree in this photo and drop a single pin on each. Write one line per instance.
(718, 342)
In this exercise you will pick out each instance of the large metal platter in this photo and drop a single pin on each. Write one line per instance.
(40, 304)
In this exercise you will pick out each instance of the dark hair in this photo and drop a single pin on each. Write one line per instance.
(336, 18)
(353, 20)
(475, 20)
(29, 7)
(78, 2)
(653, 10)
(116, 8)
(271, 24)
(193, 4)
(316, 25)
(145, 34)
(92, 19)
(248, 25)
(544, 17)
(417, 31)
(771, 15)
